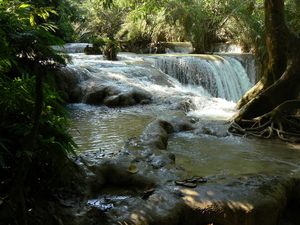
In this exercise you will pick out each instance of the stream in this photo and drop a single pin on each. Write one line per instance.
(212, 84)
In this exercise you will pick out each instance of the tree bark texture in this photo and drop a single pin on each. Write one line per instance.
(281, 80)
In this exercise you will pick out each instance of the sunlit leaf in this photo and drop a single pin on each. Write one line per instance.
(31, 19)
(25, 6)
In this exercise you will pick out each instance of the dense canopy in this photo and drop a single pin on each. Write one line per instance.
(33, 124)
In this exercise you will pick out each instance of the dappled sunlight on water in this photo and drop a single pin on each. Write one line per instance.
(108, 129)
(206, 154)
(103, 128)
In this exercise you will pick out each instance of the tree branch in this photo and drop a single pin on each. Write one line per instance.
(242, 4)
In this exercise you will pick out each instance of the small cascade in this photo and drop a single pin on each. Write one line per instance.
(72, 47)
(179, 47)
(249, 62)
(221, 76)
(226, 48)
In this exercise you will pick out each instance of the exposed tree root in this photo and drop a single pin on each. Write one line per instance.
(281, 122)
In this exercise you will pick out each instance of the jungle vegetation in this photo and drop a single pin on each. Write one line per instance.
(34, 143)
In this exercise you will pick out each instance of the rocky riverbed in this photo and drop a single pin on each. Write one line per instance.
(136, 186)
(136, 183)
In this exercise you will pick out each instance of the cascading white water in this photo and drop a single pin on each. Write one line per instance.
(199, 153)
(226, 48)
(104, 130)
(211, 83)
(222, 77)
(72, 47)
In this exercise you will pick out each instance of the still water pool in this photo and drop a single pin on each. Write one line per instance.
(207, 155)
(102, 128)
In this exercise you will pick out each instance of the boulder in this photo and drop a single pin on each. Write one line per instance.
(67, 81)
(126, 99)
(114, 97)
(96, 97)
(184, 105)
(156, 134)
(112, 101)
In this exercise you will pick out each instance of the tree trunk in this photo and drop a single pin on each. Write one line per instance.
(18, 187)
(281, 80)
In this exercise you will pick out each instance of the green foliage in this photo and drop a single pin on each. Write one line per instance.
(49, 162)
(67, 14)
(82, 33)
(17, 108)
(200, 22)
(248, 20)
(195, 23)
(105, 22)
(111, 49)
(64, 13)
(292, 8)
(25, 56)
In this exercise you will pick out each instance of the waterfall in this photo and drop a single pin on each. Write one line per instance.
(226, 48)
(228, 76)
(72, 47)
(221, 76)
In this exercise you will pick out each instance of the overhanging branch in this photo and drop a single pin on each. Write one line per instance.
(237, 8)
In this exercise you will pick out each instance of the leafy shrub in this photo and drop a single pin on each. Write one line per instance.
(34, 142)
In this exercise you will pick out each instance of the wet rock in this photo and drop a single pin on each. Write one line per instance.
(111, 90)
(171, 156)
(126, 99)
(145, 102)
(225, 199)
(150, 195)
(113, 97)
(112, 101)
(179, 193)
(156, 135)
(208, 203)
(140, 95)
(114, 171)
(95, 50)
(96, 96)
(67, 80)
(180, 124)
(160, 161)
(184, 105)
(75, 94)
(212, 127)
(260, 200)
